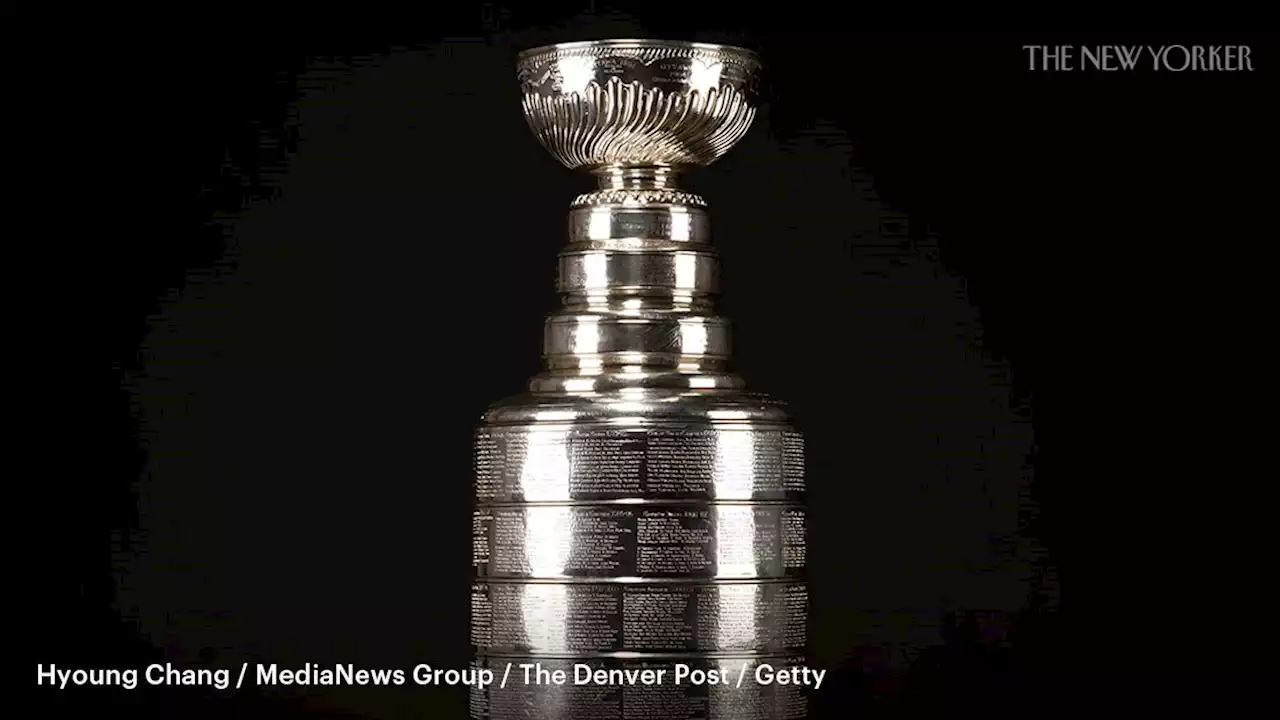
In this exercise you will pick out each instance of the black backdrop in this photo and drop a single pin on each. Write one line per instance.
(1012, 310)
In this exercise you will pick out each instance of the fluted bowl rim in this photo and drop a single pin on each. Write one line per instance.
(747, 53)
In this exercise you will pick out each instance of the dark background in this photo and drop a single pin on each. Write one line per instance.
(1017, 315)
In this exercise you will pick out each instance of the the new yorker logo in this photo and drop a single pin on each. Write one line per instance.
(1118, 58)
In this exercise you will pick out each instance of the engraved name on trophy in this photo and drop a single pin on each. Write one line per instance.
(637, 508)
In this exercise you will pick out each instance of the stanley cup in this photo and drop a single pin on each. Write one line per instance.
(637, 509)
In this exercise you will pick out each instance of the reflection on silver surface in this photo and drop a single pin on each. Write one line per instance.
(638, 507)
(625, 542)
(564, 462)
(590, 619)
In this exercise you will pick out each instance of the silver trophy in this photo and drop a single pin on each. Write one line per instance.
(637, 509)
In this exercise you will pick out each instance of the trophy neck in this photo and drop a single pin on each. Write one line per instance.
(637, 177)
(638, 280)
(625, 186)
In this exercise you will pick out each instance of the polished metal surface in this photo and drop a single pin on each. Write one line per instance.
(637, 507)
(639, 102)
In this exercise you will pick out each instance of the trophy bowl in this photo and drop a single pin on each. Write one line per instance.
(638, 103)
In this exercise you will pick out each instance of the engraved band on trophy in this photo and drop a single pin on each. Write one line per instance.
(637, 507)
